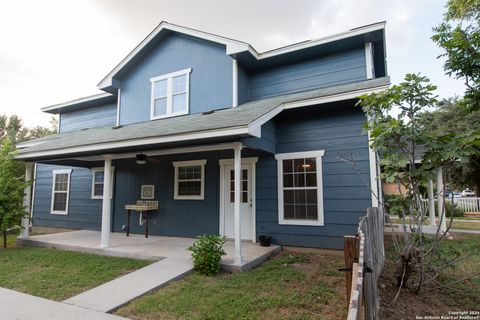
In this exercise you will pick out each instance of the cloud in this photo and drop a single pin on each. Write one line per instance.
(54, 50)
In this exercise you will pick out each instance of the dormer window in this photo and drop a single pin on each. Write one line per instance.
(170, 94)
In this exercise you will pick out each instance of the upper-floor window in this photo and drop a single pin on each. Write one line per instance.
(170, 94)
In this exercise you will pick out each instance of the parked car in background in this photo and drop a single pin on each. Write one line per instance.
(468, 193)
(457, 194)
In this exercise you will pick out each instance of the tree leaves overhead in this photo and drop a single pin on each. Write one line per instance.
(459, 36)
(12, 127)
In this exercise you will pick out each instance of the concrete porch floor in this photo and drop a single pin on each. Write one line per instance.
(151, 248)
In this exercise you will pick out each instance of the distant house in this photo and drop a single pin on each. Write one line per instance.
(189, 115)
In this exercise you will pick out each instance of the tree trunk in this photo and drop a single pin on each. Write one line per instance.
(4, 239)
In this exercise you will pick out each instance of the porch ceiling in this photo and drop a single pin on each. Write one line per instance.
(219, 126)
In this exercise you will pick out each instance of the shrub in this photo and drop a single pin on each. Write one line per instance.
(457, 212)
(207, 253)
(393, 204)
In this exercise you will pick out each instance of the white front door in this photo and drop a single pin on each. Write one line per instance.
(246, 202)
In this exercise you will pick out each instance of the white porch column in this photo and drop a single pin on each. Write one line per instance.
(237, 149)
(440, 195)
(107, 182)
(27, 198)
(431, 203)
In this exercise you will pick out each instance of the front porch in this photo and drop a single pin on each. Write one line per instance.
(151, 248)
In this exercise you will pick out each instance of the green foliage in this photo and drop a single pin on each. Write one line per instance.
(459, 36)
(13, 128)
(207, 253)
(11, 190)
(452, 116)
(393, 204)
(457, 212)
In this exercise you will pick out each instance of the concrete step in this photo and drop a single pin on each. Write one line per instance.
(114, 294)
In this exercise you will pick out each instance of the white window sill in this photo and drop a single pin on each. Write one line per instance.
(189, 198)
(316, 223)
(60, 213)
(169, 115)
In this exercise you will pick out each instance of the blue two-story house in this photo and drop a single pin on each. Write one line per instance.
(188, 117)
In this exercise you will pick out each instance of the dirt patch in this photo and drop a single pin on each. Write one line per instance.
(462, 297)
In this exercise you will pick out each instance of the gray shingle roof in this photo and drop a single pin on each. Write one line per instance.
(239, 117)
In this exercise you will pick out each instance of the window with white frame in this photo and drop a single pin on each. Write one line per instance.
(189, 180)
(97, 183)
(300, 188)
(60, 191)
(170, 94)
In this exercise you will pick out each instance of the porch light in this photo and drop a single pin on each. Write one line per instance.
(141, 158)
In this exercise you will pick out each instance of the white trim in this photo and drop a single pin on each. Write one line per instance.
(76, 101)
(178, 164)
(54, 174)
(299, 155)
(169, 96)
(255, 125)
(234, 46)
(230, 162)
(234, 83)
(34, 189)
(372, 160)
(312, 43)
(369, 63)
(138, 142)
(101, 169)
(118, 106)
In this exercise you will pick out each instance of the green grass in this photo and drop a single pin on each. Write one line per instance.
(56, 274)
(291, 286)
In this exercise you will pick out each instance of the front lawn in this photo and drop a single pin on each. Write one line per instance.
(289, 286)
(56, 274)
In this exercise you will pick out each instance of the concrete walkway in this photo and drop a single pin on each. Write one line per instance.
(114, 294)
(20, 306)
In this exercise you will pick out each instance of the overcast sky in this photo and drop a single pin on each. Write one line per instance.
(55, 51)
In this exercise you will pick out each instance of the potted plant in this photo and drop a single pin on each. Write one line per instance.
(265, 241)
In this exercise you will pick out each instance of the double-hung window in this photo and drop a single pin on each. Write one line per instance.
(97, 183)
(60, 191)
(189, 180)
(300, 189)
(170, 94)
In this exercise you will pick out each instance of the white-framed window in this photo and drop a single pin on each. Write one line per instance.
(189, 180)
(97, 183)
(170, 94)
(300, 188)
(60, 191)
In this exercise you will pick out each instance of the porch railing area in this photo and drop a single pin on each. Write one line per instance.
(364, 258)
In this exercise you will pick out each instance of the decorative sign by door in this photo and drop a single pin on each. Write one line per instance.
(148, 191)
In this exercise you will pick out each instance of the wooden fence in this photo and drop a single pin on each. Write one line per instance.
(364, 259)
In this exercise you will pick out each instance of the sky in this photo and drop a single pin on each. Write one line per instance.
(53, 51)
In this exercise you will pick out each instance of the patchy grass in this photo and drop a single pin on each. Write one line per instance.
(463, 296)
(56, 274)
(289, 286)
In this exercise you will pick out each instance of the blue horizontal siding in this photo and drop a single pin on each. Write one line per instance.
(210, 79)
(344, 67)
(184, 218)
(336, 128)
(89, 118)
(83, 212)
